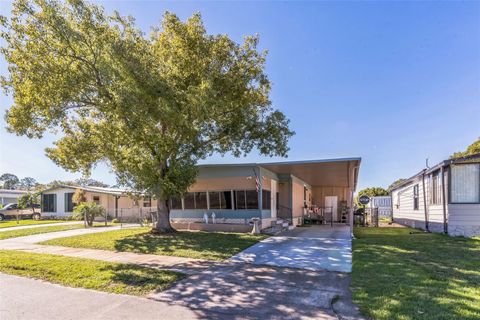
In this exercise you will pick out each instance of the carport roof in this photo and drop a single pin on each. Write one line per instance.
(340, 172)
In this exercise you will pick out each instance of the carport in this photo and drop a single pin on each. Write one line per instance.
(316, 187)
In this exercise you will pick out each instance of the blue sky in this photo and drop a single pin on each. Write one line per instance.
(391, 82)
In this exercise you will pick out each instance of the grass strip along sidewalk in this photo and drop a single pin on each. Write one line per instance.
(32, 231)
(398, 275)
(196, 245)
(13, 223)
(86, 273)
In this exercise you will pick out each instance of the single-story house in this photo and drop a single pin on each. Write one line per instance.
(57, 200)
(10, 196)
(444, 198)
(236, 193)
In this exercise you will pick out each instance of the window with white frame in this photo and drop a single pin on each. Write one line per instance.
(436, 188)
(416, 197)
(465, 183)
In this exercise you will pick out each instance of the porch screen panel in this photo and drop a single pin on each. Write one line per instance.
(176, 203)
(214, 198)
(226, 200)
(252, 199)
(266, 201)
(240, 202)
(189, 200)
(200, 200)
(465, 184)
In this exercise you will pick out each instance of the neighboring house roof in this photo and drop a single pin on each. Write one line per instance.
(7, 193)
(111, 191)
(471, 158)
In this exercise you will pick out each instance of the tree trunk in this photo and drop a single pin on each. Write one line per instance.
(163, 216)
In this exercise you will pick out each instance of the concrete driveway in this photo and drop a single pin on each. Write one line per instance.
(312, 248)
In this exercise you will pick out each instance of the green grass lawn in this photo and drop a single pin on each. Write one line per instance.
(199, 245)
(87, 273)
(32, 231)
(398, 275)
(13, 223)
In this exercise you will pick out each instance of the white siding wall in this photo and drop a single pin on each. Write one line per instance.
(403, 206)
(464, 220)
(60, 202)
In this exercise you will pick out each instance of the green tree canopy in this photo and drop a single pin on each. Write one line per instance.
(395, 183)
(150, 107)
(27, 183)
(9, 181)
(28, 200)
(471, 149)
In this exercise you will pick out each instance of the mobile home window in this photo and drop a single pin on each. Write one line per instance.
(147, 202)
(415, 197)
(246, 199)
(240, 200)
(176, 203)
(68, 202)
(200, 200)
(220, 199)
(266, 201)
(436, 191)
(252, 199)
(96, 199)
(189, 200)
(465, 183)
(49, 202)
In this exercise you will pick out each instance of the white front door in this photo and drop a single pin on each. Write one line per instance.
(331, 202)
(273, 196)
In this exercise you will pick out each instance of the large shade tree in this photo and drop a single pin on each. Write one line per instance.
(149, 106)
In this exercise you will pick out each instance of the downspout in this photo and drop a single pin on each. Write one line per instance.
(425, 202)
(444, 202)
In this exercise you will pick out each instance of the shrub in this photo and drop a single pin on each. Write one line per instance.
(115, 220)
(88, 211)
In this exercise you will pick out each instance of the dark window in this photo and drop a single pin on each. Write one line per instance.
(176, 203)
(266, 201)
(251, 199)
(436, 190)
(68, 202)
(96, 199)
(240, 200)
(200, 200)
(220, 199)
(415, 197)
(226, 199)
(49, 203)
(147, 202)
(189, 200)
(214, 198)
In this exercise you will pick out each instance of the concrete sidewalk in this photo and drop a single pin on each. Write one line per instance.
(29, 244)
(30, 226)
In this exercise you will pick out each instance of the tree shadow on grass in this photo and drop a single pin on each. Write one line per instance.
(138, 280)
(416, 276)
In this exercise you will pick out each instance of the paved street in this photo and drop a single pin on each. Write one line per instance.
(23, 298)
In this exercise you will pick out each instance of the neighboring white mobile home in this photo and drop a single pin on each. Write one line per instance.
(57, 201)
(444, 198)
